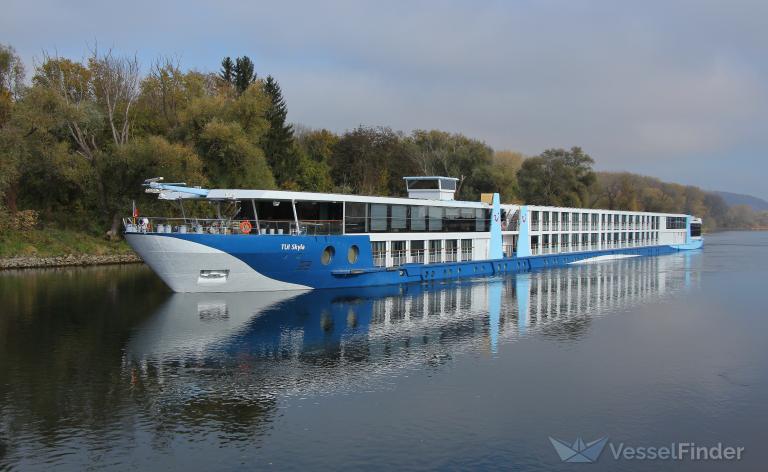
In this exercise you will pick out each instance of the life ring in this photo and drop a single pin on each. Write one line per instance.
(245, 227)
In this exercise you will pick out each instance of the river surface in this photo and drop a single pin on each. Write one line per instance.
(105, 368)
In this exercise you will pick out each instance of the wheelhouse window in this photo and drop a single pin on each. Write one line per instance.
(423, 184)
(447, 184)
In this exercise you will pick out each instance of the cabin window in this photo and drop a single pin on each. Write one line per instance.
(398, 253)
(417, 252)
(435, 218)
(451, 220)
(676, 222)
(379, 253)
(418, 218)
(695, 230)
(466, 249)
(482, 218)
(467, 219)
(451, 250)
(378, 217)
(399, 218)
(435, 250)
(355, 217)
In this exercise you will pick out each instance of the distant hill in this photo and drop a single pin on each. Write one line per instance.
(732, 199)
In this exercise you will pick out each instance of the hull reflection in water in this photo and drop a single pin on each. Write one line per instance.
(330, 340)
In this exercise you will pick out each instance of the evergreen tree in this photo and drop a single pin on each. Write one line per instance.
(227, 73)
(278, 141)
(245, 73)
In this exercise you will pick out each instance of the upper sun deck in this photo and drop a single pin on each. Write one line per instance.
(181, 192)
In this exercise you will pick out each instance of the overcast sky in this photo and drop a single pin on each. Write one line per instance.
(677, 90)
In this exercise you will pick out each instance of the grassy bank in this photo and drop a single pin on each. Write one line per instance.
(56, 243)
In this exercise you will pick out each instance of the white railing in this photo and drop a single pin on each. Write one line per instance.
(399, 257)
(417, 256)
(466, 254)
(230, 226)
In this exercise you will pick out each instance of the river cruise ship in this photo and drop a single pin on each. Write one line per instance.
(266, 240)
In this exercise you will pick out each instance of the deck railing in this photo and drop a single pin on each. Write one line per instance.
(230, 226)
(417, 256)
(399, 257)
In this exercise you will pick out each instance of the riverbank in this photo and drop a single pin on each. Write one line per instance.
(65, 261)
(60, 248)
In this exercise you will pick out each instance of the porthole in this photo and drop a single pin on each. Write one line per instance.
(328, 254)
(353, 253)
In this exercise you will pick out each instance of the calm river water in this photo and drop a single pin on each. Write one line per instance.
(105, 368)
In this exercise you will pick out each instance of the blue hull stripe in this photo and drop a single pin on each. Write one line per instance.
(297, 259)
